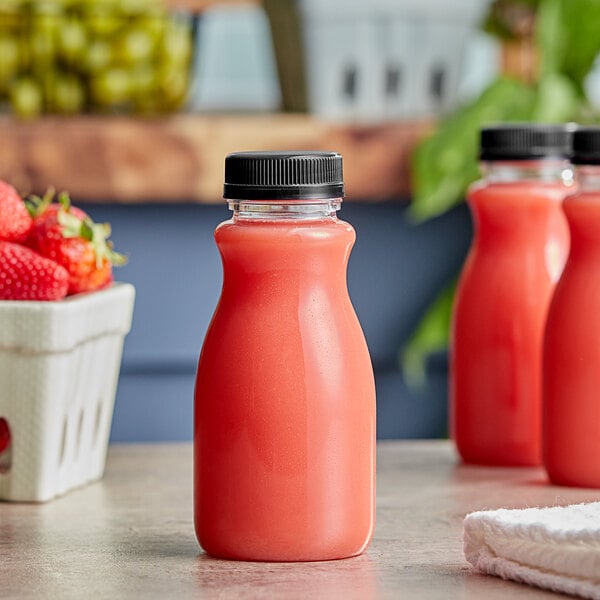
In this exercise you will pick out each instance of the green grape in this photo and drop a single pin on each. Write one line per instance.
(43, 39)
(10, 7)
(154, 24)
(67, 94)
(148, 106)
(111, 87)
(24, 53)
(177, 44)
(9, 59)
(46, 11)
(72, 40)
(104, 25)
(26, 97)
(97, 56)
(42, 48)
(71, 5)
(10, 18)
(145, 90)
(102, 19)
(119, 53)
(106, 5)
(138, 7)
(143, 81)
(173, 86)
(135, 46)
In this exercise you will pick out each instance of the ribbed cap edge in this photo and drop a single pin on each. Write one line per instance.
(293, 175)
(586, 146)
(526, 141)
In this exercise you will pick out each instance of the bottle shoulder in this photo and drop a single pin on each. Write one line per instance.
(284, 229)
(522, 192)
(589, 198)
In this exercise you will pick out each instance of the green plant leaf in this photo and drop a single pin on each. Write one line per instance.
(550, 36)
(431, 335)
(567, 37)
(445, 164)
(558, 100)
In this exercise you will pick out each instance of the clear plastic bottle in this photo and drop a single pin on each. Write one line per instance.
(571, 431)
(518, 252)
(285, 398)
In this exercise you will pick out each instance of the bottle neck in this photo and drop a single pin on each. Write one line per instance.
(545, 170)
(273, 210)
(588, 178)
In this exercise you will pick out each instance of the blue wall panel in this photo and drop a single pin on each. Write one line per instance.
(396, 269)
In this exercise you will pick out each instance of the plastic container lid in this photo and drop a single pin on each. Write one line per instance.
(526, 141)
(586, 146)
(283, 175)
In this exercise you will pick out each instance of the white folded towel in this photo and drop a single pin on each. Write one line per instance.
(556, 548)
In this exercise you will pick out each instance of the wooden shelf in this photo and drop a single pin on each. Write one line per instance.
(180, 158)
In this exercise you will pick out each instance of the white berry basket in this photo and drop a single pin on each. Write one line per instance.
(59, 367)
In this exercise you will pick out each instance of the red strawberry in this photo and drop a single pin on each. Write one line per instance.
(15, 221)
(4, 437)
(67, 235)
(25, 275)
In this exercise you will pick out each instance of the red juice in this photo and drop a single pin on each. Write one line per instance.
(518, 252)
(285, 402)
(571, 423)
(499, 317)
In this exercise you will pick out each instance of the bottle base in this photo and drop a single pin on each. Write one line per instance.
(576, 482)
(482, 460)
(293, 553)
(276, 558)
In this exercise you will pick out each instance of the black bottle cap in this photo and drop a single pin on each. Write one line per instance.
(283, 176)
(526, 141)
(586, 146)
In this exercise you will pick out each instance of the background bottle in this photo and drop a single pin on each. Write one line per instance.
(518, 252)
(285, 399)
(571, 430)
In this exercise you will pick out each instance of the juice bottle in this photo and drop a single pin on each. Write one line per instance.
(571, 430)
(284, 435)
(518, 252)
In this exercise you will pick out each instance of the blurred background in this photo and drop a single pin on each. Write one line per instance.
(131, 105)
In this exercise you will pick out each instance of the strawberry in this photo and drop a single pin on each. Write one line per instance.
(15, 221)
(25, 275)
(67, 235)
(4, 437)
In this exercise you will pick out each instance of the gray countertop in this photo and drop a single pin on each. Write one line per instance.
(131, 535)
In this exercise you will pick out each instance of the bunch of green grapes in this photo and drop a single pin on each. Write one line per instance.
(70, 56)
